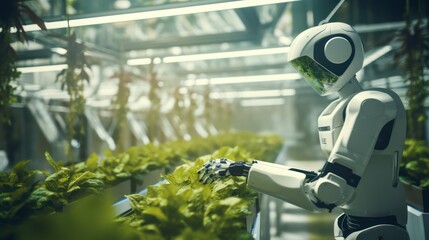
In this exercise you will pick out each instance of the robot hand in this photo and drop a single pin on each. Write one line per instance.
(221, 168)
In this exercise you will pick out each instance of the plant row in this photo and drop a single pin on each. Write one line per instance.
(27, 193)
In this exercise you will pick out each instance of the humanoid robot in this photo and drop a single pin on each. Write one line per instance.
(362, 132)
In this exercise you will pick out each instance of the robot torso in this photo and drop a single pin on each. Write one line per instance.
(365, 132)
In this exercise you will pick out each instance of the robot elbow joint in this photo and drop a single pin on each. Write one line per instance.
(332, 189)
(327, 191)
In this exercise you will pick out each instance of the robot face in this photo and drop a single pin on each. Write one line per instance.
(327, 56)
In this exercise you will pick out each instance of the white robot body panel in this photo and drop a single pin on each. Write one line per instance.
(330, 124)
(376, 195)
(280, 182)
(378, 164)
(366, 114)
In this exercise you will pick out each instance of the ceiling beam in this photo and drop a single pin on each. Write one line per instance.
(189, 41)
(34, 54)
(250, 19)
(244, 68)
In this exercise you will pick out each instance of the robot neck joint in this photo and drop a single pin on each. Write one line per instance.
(351, 87)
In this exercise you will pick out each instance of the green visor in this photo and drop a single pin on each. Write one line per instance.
(317, 76)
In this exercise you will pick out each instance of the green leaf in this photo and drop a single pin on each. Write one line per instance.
(73, 189)
(58, 182)
(231, 201)
(20, 166)
(79, 178)
(136, 202)
(92, 162)
(52, 162)
(155, 213)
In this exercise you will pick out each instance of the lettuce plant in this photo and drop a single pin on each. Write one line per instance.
(186, 208)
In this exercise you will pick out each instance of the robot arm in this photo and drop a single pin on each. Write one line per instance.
(273, 179)
(367, 114)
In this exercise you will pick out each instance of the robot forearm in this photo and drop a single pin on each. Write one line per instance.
(282, 182)
(302, 188)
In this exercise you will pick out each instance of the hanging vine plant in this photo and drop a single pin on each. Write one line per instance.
(208, 105)
(12, 15)
(190, 113)
(413, 57)
(73, 79)
(154, 114)
(120, 103)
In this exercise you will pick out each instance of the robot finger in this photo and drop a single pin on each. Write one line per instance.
(208, 178)
(201, 170)
(201, 177)
(206, 165)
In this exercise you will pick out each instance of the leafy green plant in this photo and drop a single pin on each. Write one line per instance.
(131, 164)
(25, 193)
(134, 162)
(16, 187)
(69, 184)
(263, 147)
(12, 15)
(414, 167)
(184, 207)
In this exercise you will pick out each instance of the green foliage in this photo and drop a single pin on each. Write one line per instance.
(413, 58)
(89, 219)
(8, 74)
(185, 206)
(71, 184)
(121, 103)
(136, 161)
(73, 79)
(182, 209)
(26, 193)
(132, 163)
(262, 147)
(415, 163)
(16, 187)
(154, 114)
(11, 16)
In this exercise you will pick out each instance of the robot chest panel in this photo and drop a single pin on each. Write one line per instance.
(330, 124)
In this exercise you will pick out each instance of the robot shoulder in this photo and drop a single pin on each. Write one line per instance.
(373, 104)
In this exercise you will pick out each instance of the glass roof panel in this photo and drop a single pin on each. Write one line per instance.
(183, 26)
(266, 13)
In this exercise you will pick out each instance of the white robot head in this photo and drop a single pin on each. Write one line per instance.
(327, 56)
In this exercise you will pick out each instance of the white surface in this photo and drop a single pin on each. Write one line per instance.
(418, 224)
